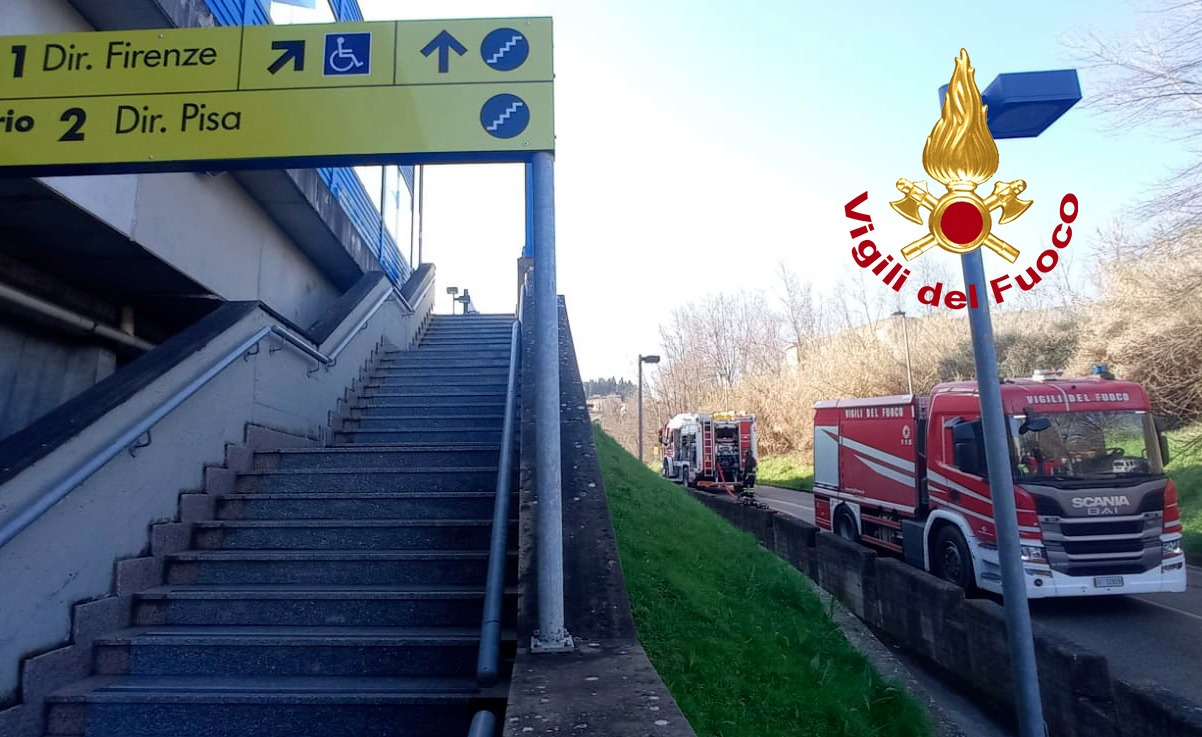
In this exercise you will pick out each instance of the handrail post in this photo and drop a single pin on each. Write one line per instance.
(552, 635)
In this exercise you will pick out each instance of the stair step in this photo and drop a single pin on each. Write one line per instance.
(331, 567)
(402, 438)
(467, 393)
(365, 407)
(477, 409)
(442, 380)
(466, 343)
(418, 421)
(354, 479)
(268, 706)
(422, 372)
(289, 651)
(440, 421)
(373, 534)
(311, 505)
(400, 408)
(307, 604)
(450, 353)
(474, 455)
(418, 360)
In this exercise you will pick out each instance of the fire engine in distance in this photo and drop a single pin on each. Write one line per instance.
(1096, 512)
(710, 451)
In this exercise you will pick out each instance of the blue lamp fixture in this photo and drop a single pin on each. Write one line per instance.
(1024, 104)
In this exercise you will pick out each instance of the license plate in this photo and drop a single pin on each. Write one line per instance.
(1106, 582)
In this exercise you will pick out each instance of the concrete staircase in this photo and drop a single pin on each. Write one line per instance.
(339, 592)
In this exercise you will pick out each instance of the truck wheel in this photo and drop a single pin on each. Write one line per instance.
(845, 526)
(950, 559)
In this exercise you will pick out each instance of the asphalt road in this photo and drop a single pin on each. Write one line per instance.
(1156, 637)
(797, 503)
(1152, 637)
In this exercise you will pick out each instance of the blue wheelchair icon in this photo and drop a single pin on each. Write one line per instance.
(347, 53)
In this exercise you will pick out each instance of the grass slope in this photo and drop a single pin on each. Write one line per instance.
(737, 635)
(786, 472)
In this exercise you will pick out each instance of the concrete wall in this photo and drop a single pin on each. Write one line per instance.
(38, 373)
(67, 555)
(207, 227)
(607, 685)
(966, 638)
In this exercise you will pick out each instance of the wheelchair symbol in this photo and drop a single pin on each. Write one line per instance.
(348, 53)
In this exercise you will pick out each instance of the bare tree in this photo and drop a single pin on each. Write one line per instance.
(1154, 77)
(801, 314)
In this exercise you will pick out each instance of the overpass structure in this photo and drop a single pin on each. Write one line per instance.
(249, 483)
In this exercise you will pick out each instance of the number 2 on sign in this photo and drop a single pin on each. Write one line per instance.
(76, 116)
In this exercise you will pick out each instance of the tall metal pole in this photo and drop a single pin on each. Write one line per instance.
(906, 337)
(421, 209)
(413, 219)
(552, 635)
(1001, 489)
(640, 408)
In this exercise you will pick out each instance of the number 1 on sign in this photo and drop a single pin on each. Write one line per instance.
(19, 62)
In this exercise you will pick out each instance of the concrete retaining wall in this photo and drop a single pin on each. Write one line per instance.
(966, 638)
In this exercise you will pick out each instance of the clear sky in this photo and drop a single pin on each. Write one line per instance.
(700, 143)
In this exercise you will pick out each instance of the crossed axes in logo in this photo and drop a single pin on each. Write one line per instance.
(1005, 196)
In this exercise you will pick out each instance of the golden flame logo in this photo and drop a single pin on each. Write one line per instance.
(961, 155)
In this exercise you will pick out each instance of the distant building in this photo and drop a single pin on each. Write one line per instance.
(606, 404)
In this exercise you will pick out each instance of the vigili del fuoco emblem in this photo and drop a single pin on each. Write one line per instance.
(961, 155)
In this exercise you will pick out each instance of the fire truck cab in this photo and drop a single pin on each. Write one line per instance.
(708, 451)
(1096, 512)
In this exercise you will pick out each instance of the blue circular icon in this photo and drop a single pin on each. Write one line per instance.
(505, 49)
(505, 115)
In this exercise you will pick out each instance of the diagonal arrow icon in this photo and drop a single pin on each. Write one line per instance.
(294, 51)
(444, 43)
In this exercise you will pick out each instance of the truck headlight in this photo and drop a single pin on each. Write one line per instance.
(1032, 553)
(1170, 548)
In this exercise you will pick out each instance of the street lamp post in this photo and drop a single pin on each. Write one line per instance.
(643, 359)
(1019, 105)
(906, 338)
(453, 291)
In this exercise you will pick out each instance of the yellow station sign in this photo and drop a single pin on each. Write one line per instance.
(144, 99)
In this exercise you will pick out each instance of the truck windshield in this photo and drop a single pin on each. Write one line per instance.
(1088, 445)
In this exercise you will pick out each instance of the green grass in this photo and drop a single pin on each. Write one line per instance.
(1186, 471)
(737, 635)
(786, 472)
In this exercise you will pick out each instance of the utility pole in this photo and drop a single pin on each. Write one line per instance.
(906, 338)
(643, 359)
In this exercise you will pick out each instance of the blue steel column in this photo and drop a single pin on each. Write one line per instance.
(1001, 489)
(552, 636)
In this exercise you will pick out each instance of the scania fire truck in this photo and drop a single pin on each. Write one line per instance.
(1096, 512)
(708, 451)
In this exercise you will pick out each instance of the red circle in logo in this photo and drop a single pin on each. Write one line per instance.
(961, 222)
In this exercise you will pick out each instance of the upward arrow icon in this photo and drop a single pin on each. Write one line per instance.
(444, 43)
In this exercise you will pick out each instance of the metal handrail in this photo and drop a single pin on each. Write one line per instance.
(484, 724)
(487, 663)
(66, 483)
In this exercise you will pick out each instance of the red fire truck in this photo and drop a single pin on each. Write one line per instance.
(1096, 512)
(708, 451)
